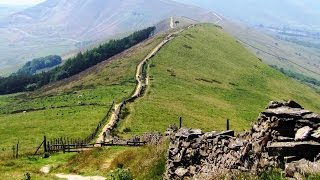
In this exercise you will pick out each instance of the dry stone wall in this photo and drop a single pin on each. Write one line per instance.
(284, 133)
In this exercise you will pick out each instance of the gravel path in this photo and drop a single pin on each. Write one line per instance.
(78, 177)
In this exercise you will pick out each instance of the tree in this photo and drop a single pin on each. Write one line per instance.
(25, 79)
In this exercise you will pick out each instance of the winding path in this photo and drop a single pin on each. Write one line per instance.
(171, 23)
(219, 18)
(141, 84)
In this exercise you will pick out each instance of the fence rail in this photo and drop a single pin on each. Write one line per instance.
(60, 144)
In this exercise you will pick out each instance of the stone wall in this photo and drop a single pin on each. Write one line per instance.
(284, 132)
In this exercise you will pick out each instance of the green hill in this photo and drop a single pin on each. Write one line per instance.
(206, 77)
(203, 75)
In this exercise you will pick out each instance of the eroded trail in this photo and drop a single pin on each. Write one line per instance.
(78, 177)
(142, 83)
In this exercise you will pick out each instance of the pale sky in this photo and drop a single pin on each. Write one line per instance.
(20, 2)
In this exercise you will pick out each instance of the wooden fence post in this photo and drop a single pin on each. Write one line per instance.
(17, 151)
(45, 144)
(228, 125)
(180, 122)
(13, 151)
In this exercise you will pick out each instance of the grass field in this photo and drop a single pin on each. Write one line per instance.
(71, 108)
(206, 77)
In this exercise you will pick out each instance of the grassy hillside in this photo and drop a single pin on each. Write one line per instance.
(203, 75)
(206, 76)
(70, 108)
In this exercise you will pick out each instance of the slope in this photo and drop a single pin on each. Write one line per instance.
(273, 51)
(72, 107)
(206, 76)
(58, 26)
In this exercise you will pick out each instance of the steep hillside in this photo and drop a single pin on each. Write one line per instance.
(58, 26)
(282, 33)
(206, 77)
(274, 51)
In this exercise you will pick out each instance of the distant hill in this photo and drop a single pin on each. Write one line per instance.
(58, 26)
(294, 13)
(6, 10)
(274, 51)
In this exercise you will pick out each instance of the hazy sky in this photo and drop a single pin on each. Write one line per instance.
(20, 2)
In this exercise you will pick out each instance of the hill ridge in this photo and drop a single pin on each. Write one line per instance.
(142, 81)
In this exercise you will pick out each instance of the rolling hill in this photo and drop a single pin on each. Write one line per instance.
(58, 26)
(203, 75)
(206, 77)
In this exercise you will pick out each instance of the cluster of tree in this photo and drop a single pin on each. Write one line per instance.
(298, 76)
(34, 65)
(29, 82)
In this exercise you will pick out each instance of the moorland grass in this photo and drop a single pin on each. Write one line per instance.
(206, 76)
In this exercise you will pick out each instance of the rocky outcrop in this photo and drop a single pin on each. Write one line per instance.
(284, 132)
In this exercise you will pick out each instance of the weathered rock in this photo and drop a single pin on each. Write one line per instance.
(303, 133)
(291, 104)
(226, 133)
(286, 112)
(181, 172)
(302, 166)
(304, 122)
(290, 169)
(312, 117)
(316, 134)
(188, 133)
(235, 144)
(307, 149)
(172, 129)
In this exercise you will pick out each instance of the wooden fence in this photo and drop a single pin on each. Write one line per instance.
(60, 144)
(71, 145)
